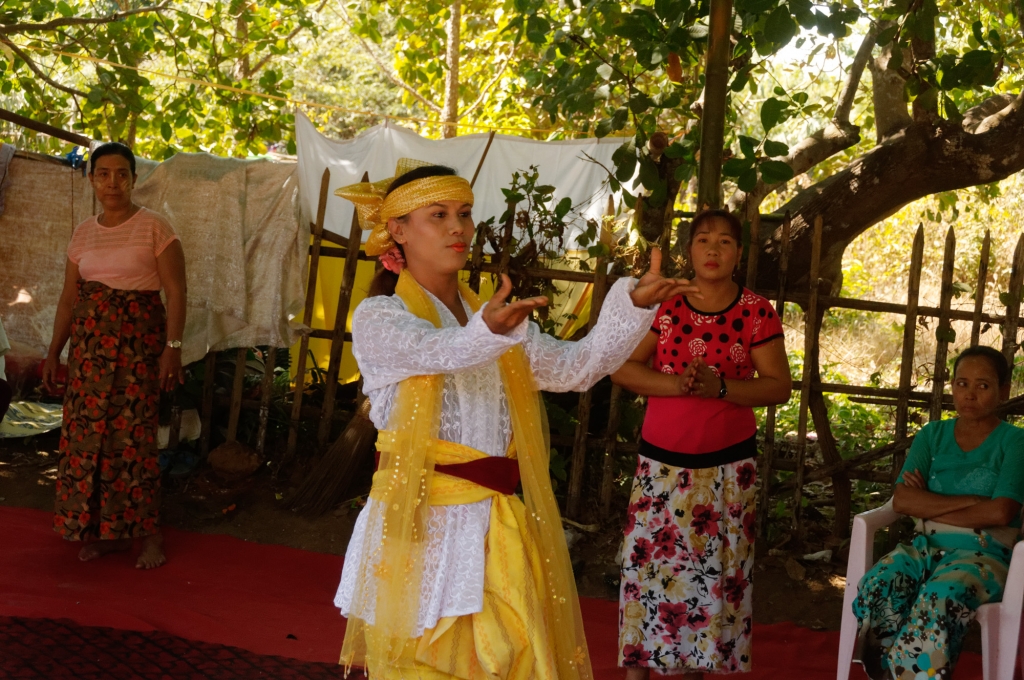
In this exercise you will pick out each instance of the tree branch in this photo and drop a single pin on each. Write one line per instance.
(39, 72)
(488, 86)
(265, 60)
(977, 115)
(78, 21)
(846, 97)
(924, 159)
(837, 136)
(390, 74)
(887, 85)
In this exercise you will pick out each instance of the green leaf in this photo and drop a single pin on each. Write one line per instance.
(885, 37)
(775, 149)
(960, 289)
(697, 31)
(625, 161)
(748, 180)
(165, 131)
(748, 145)
(952, 112)
(774, 172)
(780, 27)
(772, 113)
(945, 333)
(604, 127)
(65, 9)
(741, 79)
(563, 208)
(648, 175)
(896, 60)
(639, 103)
(684, 172)
(679, 149)
(736, 166)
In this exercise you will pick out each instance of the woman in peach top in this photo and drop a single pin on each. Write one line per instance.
(125, 347)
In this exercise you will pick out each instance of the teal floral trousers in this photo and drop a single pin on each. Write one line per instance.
(913, 607)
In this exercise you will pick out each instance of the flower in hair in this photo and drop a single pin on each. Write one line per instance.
(393, 260)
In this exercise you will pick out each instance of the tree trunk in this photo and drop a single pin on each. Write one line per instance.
(923, 159)
(450, 113)
(712, 120)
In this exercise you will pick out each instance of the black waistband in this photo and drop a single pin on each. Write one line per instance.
(730, 454)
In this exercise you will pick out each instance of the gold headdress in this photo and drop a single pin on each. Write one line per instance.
(375, 206)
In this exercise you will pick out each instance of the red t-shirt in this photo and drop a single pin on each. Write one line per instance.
(724, 339)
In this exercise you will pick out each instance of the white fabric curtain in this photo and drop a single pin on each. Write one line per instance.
(562, 164)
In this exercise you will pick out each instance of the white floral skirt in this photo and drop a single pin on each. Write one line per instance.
(687, 559)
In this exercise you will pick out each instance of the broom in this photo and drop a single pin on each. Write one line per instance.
(330, 480)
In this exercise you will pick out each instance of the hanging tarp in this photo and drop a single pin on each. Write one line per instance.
(562, 164)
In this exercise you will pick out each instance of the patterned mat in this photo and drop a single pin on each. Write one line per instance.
(61, 650)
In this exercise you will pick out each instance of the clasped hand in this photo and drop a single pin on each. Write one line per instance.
(700, 380)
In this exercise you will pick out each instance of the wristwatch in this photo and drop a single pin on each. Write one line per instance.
(723, 390)
(174, 344)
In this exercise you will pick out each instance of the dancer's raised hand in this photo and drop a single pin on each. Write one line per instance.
(653, 288)
(502, 316)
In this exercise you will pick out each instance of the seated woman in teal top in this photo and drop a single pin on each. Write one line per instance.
(963, 482)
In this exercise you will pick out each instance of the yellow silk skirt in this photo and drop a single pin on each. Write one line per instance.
(508, 639)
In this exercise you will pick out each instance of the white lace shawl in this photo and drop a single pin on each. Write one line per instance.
(391, 344)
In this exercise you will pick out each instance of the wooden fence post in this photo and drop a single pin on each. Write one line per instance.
(909, 342)
(1013, 303)
(944, 330)
(611, 441)
(236, 393)
(979, 288)
(579, 446)
(754, 249)
(307, 318)
(266, 390)
(174, 431)
(768, 455)
(810, 339)
(348, 282)
(209, 382)
(481, 231)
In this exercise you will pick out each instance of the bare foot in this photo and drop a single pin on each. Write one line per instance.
(152, 552)
(101, 548)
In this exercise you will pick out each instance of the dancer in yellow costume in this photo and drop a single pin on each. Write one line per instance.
(448, 574)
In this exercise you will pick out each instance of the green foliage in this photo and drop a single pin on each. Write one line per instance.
(614, 68)
(234, 44)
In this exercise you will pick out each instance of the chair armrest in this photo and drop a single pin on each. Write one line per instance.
(1013, 591)
(862, 540)
(879, 517)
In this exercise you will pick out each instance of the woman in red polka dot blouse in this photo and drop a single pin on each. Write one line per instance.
(687, 557)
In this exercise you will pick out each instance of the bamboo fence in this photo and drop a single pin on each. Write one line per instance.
(606, 443)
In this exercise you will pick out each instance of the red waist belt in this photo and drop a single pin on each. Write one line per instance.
(496, 473)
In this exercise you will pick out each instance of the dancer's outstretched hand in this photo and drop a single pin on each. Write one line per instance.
(502, 316)
(653, 288)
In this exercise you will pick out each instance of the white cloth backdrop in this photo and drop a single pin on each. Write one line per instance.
(562, 164)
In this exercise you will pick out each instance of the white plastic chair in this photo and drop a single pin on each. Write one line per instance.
(1000, 622)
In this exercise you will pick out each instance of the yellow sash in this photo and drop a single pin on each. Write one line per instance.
(390, 575)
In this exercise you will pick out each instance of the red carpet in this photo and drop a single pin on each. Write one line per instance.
(273, 600)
